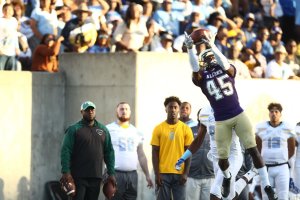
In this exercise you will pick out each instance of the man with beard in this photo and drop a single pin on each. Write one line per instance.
(128, 145)
(169, 140)
(85, 145)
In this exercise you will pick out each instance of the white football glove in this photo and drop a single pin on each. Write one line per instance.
(210, 38)
(188, 41)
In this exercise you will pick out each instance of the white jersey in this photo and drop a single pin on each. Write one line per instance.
(274, 141)
(208, 120)
(297, 159)
(125, 142)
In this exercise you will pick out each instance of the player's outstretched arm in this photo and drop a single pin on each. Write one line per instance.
(189, 43)
(195, 145)
(221, 59)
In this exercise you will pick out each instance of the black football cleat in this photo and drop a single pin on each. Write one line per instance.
(226, 187)
(270, 192)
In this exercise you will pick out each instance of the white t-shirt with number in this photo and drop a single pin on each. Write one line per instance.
(274, 141)
(125, 142)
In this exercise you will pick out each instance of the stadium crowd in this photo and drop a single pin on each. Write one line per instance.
(260, 37)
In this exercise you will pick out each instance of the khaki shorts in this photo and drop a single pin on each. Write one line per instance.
(223, 134)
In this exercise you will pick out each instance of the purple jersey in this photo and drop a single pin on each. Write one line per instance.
(218, 87)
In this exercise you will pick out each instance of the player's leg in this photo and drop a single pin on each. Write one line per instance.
(243, 129)
(282, 181)
(205, 188)
(242, 183)
(215, 190)
(271, 176)
(236, 162)
(193, 188)
(223, 137)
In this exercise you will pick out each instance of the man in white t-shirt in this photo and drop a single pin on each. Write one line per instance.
(9, 46)
(276, 141)
(277, 68)
(128, 145)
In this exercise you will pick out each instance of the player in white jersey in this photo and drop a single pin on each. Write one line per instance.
(236, 159)
(276, 142)
(127, 142)
(297, 159)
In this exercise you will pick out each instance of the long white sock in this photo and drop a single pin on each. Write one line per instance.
(249, 175)
(240, 185)
(264, 177)
(226, 173)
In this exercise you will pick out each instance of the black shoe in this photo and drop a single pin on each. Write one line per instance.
(226, 187)
(270, 192)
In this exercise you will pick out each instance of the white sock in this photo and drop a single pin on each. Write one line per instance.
(249, 175)
(240, 185)
(226, 173)
(264, 177)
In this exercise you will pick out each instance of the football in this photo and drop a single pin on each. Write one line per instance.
(68, 186)
(198, 34)
(109, 189)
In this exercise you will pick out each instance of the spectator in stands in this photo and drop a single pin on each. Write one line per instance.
(217, 7)
(277, 68)
(102, 44)
(178, 44)
(132, 33)
(287, 20)
(79, 33)
(194, 19)
(276, 36)
(168, 19)
(166, 40)
(64, 14)
(23, 21)
(113, 16)
(24, 33)
(9, 47)
(43, 21)
(263, 35)
(242, 71)
(98, 8)
(200, 7)
(271, 10)
(259, 71)
(221, 40)
(256, 8)
(248, 27)
(253, 64)
(214, 22)
(45, 55)
(297, 23)
(292, 59)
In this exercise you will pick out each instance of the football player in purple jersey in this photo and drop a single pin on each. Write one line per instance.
(215, 76)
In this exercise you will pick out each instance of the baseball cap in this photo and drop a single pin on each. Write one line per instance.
(280, 49)
(167, 36)
(250, 16)
(276, 29)
(87, 104)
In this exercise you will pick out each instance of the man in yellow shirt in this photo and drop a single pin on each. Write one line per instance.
(169, 141)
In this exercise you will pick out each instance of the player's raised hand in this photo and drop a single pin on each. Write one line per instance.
(210, 38)
(188, 41)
